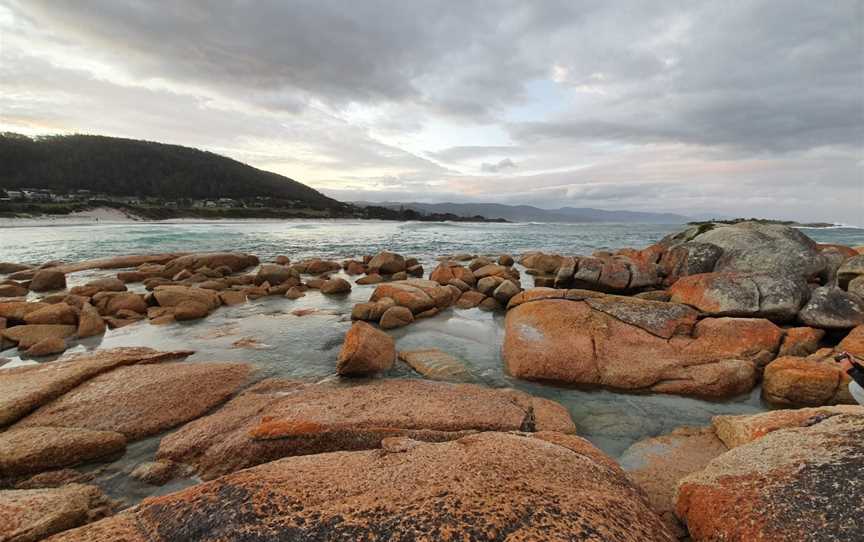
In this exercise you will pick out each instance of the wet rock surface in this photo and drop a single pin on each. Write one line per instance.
(488, 486)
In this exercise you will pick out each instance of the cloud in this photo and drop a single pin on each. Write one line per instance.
(506, 163)
(736, 108)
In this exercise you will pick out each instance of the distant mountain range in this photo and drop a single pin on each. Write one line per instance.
(528, 213)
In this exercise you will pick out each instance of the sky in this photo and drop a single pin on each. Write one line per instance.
(732, 108)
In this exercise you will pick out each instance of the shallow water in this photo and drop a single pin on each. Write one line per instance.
(301, 339)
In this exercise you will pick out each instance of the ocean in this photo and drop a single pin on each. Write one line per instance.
(340, 238)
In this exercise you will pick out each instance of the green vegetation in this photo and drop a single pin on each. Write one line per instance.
(143, 169)
(59, 175)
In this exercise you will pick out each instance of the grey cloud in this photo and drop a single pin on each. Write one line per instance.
(752, 107)
(506, 163)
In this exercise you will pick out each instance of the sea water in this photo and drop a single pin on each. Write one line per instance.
(301, 339)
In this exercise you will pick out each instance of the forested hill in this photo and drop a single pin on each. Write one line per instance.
(128, 167)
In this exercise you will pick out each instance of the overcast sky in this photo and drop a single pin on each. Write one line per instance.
(731, 107)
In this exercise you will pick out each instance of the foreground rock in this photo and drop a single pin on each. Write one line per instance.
(635, 345)
(491, 486)
(29, 515)
(365, 351)
(36, 449)
(797, 485)
(142, 400)
(279, 418)
(656, 464)
(23, 389)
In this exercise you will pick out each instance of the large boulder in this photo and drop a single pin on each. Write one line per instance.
(48, 279)
(416, 294)
(16, 311)
(752, 247)
(58, 313)
(28, 515)
(159, 397)
(832, 308)
(491, 486)
(850, 269)
(800, 484)
(214, 260)
(25, 388)
(448, 271)
(35, 449)
(386, 263)
(29, 335)
(812, 381)
(365, 351)
(742, 294)
(637, 349)
(279, 418)
(171, 296)
(277, 274)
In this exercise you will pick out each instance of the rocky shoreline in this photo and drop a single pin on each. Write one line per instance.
(715, 311)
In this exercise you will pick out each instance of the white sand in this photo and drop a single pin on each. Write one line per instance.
(98, 215)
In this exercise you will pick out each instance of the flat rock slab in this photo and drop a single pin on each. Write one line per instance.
(35, 449)
(435, 364)
(142, 400)
(23, 389)
(735, 431)
(279, 418)
(484, 487)
(657, 464)
(28, 515)
(801, 484)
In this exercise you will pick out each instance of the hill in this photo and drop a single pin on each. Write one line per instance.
(528, 213)
(145, 169)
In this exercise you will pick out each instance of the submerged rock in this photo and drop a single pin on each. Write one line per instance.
(28, 515)
(279, 418)
(435, 364)
(799, 484)
(490, 486)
